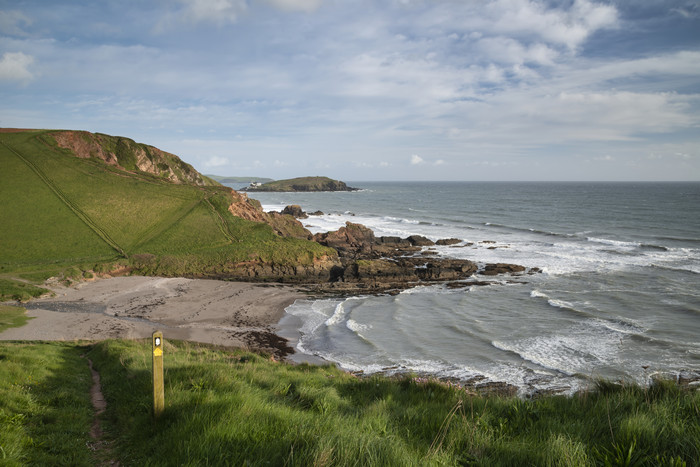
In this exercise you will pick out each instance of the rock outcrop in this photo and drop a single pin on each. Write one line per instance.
(295, 210)
(383, 264)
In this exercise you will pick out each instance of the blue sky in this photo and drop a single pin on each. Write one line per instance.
(369, 90)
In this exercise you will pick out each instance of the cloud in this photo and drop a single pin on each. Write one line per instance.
(559, 26)
(216, 161)
(214, 11)
(507, 50)
(296, 5)
(14, 67)
(416, 159)
(11, 23)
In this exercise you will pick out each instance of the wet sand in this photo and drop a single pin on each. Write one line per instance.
(230, 314)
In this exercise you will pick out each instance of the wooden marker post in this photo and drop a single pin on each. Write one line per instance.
(158, 387)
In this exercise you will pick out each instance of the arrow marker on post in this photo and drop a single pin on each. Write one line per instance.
(158, 386)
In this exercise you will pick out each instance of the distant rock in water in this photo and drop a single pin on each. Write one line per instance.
(301, 184)
(295, 210)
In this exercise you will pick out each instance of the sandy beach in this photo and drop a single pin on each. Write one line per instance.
(230, 314)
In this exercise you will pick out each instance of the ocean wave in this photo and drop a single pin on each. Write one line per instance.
(578, 350)
(546, 233)
(400, 220)
(338, 315)
(554, 302)
(649, 246)
(618, 243)
(620, 326)
(680, 239)
(548, 358)
(356, 327)
(695, 269)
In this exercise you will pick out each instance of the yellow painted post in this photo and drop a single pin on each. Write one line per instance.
(158, 387)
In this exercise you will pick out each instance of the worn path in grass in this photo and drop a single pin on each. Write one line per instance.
(230, 314)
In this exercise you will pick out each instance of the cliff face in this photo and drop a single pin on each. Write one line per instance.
(127, 154)
(250, 209)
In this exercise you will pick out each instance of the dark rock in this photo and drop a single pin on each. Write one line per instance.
(349, 241)
(501, 268)
(448, 241)
(295, 210)
(419, 240)
(394, 241)
(316, 213)
(388, 264)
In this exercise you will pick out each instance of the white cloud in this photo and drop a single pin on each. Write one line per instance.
(507, 50)
(216, 11)
(14, 66)
(296, 5)
(560, 26)
(416, 159)
(216, 161)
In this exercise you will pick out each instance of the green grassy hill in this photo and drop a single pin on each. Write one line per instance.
(61, 212)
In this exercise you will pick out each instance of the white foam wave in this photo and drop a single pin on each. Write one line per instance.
(537, 294)
(356, 327)
(582, 350)
(552, 301)
(620, 326)
(618, 243)
(561, 304)
(338, 315)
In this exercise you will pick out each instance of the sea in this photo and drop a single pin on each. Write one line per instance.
(618, 297)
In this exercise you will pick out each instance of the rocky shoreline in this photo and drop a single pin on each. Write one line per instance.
(370, 264)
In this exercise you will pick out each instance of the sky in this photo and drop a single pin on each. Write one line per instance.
(531, 90)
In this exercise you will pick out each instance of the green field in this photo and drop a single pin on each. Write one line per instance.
(238, 408)
(60, 211)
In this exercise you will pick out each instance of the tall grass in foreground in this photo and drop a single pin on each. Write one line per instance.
(233, 408)
(45, 410)
(237, 408)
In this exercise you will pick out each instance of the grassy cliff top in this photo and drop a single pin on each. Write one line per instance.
(303, 184)
(82, 201)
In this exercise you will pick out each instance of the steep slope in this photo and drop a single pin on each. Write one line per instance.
(100, 202)
(127, 154)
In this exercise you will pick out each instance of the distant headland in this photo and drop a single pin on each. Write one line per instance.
(301, 184)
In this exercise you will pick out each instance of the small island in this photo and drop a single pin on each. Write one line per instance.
(301, 184)
(251, 180)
